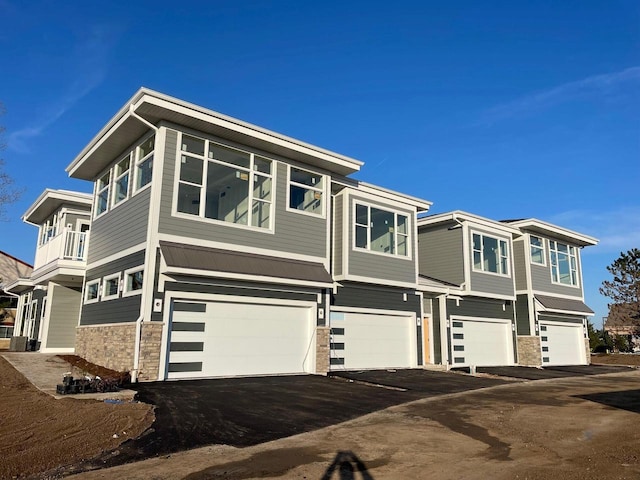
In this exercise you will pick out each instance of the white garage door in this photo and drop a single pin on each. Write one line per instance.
(562, 344)
(481, 342)
(370, 341)
(214, 339)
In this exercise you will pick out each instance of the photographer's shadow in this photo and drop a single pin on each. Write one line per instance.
(347, 466)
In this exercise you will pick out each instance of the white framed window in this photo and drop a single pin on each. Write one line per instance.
(564, 263)
(144, 162)
(305, 192)
(536, 250)
(381, 231)
(226, 184)
(92, 291)
(111, 287)
(490, 254)
(133, 281)
(49, 229)
(102, 193)
(121, 174)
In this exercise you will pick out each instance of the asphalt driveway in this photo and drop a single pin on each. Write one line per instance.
(531, 373)
(247, 411)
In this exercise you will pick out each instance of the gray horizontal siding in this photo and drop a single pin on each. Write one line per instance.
(560, 318)
(63, 318)
(123, 227)
(118, 265)
(480, 308)
(119, 310)
(520, 260)
(381, 267)
(541, 282)
(365, 296)
(490, 283)
(293, 232)
(440, 253)
(338, 234)
(523, 325)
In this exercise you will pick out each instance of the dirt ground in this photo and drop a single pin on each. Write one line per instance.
(617, 359)
(569, 428)
(39, 433)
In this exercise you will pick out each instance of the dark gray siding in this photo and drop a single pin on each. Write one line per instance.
(440, 253)
(293, 232)
(522, 315)
(338, 234)
(480, 307)
(376, 266)
(123, 227)
(437, 335)
(560, 318)
(370, 296)
(486, 282)
(117, 310)
(63, 319)
(520, 260)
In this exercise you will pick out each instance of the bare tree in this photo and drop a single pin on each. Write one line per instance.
(8, 191)
(624, 289)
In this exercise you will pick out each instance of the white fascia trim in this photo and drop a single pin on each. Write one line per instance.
(234, 247)
(561, 324)
(566, 312)
(244, 277)
(434, 289)
(123, 253)
(374, 311)
(382, 201)
(170, 103)
(377, 191)
(555, 230)
(62, 195)
(460, 216)
(376, 281)
(117, 324)
(480, 319)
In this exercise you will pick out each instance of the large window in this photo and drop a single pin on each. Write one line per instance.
(226, 184)
(537, 250)
(121, 179)
(306, 191)
(102, 193)
(490, 254)
(381, 231)
(563, 263)
(144, 162)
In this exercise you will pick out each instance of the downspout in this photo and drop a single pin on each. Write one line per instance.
(138, 338)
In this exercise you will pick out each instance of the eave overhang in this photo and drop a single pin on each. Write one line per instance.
(51, 200)
(534, 225)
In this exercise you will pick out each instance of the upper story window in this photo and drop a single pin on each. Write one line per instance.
(144, 162)
(121, 179)
(381, 230)
(564, 263)
(102, 193)
(226, 184)
(490, 254)
(49, 230)
(306, 191)
(131, 173)
(536, 245)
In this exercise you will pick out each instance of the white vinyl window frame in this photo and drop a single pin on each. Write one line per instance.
(252, 171)
(368, 227)
(140, 161)
(107, 282)
(319, 192)
(121, 176)
(89, 288)
(103, 194)
(503, 255)
(127, 291)
(537, 248)
(562, 252)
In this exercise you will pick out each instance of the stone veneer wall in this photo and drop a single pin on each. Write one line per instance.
(588, 350)
(150, 346)
(322, 350)
(113, 346)
(529, 354)
(110, 346)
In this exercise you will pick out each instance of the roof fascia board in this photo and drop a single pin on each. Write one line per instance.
(460, 216)
(420, 204)
(62, 195)
(554, 229)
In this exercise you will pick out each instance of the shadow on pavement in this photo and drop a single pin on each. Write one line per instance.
(626, 400)
(533, 373)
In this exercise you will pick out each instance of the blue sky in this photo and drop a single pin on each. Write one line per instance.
(503, 109)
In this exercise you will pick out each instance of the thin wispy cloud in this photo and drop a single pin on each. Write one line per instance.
(92, 59)
(593, 86)
(618, 229)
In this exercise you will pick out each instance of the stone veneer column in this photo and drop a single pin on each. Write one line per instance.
(322, 350)
(150, 346)
(587, 348)
(109, 346)
(529, 354)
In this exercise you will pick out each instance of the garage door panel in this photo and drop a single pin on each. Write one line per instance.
(562, 344)
(370, 341)
(239, 339)
(481, 342)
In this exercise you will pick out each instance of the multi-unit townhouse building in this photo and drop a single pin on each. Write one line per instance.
(219, 248)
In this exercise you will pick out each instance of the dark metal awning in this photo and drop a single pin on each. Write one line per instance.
(563, 305)
(205, 259)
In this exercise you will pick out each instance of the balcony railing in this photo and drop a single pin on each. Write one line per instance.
(67, 245)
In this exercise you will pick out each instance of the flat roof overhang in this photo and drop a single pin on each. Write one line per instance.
(51, 200)
(153, 107)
